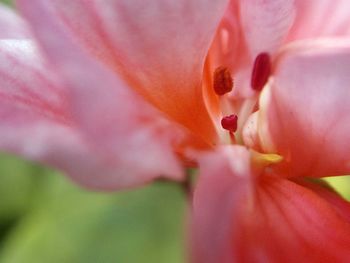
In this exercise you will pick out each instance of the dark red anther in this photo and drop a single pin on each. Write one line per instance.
(261, 71)
(223, 82)
(230, 122)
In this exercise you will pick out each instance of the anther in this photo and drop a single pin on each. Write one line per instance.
(223, 82)
(261, 71)
(230, 122)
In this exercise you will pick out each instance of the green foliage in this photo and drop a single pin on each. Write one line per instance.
(8, 2)
(55, 221)
(16, 188)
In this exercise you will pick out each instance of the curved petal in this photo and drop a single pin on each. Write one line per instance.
(229, 47)
(320, 18)
(216, 200)
(97, 150)
(266, 23)
(325, 191)
(158, 48)
(250, 132)
(270, 219)
(11, 25)
(248, 28)
(26, 80)
(304, 113)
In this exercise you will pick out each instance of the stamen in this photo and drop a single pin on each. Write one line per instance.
(230, 122)
(223, 82)
(261, 71)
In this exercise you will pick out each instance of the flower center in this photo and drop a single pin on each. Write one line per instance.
(223, 82)
(261, 71)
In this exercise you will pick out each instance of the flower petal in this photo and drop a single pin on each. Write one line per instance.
(158, 48)
(248, 28)
(324, 190)
(303, 115)
(266, 23)
(11, 25)
(27, 81)
(34, 120)
(229, 49)
(216, 200)
(250, 132)
(320, 18)
(37, 123)
(269, 219)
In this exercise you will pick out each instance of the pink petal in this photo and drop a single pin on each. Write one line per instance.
(34, 120)
(216, 200)
(27, 81)
(37, 123)
(229, 49)
(324, 190)
(11, 25)
(241, 218)
(266, 23)
(248, 28)
(250, 133)
(304, 114)
(320, 18)
(158, 48)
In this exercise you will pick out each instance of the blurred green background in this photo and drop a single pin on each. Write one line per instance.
(9, 2)
(45, 218)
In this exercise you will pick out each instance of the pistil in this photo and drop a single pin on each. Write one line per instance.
(230, 122)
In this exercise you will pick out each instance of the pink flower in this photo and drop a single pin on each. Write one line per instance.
(114, 94)
(260, 204)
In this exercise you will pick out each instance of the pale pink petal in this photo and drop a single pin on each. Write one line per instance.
(250, 132)
(248, 28)
(267, 219)
(158, 48)
(229, 48)
(26, 80)
(11, 25)
(320, 18)
(266, 23)
(37, 123)
(304, 114)
(34, 121)
(222, 189)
